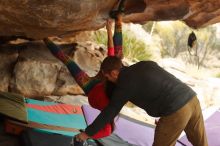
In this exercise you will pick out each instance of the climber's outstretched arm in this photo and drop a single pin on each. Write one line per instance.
(83, 80)
(117, 38)
(111, 50)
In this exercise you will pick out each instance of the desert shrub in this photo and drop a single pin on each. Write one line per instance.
(133, 48)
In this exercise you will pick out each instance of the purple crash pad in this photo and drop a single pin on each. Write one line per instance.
(133, 131)
(212, 126)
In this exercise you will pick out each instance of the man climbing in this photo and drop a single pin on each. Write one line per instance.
(160, 94)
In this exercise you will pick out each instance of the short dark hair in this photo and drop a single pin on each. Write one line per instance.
(111, 63)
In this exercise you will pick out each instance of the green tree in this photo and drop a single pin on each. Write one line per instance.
(173, 38)
(100, 37)
(133, 48)
(206, 43)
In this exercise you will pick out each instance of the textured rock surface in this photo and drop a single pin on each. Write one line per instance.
(38, 18)
(31, 70)
(8, 57)
(196, 13)
(35, 72)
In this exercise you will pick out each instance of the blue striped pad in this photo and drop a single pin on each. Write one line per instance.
(65, 120)
(32, 101)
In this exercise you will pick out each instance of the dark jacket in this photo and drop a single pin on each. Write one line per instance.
(148, 86)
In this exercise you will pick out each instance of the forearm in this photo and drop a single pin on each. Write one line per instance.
(110, 43)
(82, 79)
(101, 121)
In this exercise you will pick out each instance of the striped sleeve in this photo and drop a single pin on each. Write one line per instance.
(117, 39)
(82, 79)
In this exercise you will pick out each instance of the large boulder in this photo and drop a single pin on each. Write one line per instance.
(8, 56)
(35, 72)
(38, 19)
(31, 70)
